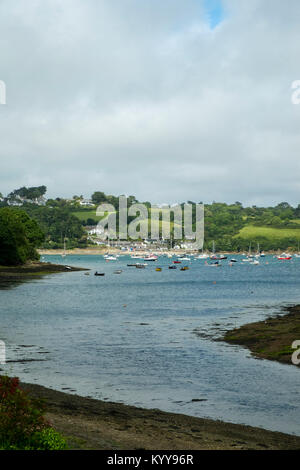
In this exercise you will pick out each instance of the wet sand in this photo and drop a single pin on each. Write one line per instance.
(94, 424)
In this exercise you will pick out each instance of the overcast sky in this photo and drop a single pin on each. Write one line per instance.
(169, 100)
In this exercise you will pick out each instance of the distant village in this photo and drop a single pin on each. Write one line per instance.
(96, 235)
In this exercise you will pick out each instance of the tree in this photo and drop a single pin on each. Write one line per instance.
(98, 197)
(32, 193)
(19, 237)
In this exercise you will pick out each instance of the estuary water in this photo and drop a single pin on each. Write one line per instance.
(146, 338)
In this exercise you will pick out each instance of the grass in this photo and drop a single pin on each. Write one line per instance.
(251, 232)
(145, 223)
(88, 214)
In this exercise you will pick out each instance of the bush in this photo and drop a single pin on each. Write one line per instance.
(22, 422)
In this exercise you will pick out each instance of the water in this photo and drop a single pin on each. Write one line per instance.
(145, 338)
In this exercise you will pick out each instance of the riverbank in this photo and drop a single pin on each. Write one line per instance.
(109, 250)
(270, 339)
(100, 250)
(94, 424)
(33, 269)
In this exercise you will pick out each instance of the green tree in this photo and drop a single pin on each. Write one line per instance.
(19, 237)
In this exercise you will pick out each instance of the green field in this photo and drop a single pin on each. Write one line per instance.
(251, 232)
(88, 214)
(91, 214)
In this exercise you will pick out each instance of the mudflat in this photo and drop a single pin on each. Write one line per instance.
(271, 339)
(93, 424)
(33, 269)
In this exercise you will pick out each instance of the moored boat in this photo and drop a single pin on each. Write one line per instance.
(284, 256)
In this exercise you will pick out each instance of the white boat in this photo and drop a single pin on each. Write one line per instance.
(110, 258)
(202, 256)
(151, 258)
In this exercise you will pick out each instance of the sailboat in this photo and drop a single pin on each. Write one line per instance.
(215, 256)
(64, 252)
(249, 256)
(202, 255)
(297, 255)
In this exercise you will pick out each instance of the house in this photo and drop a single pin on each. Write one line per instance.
(86, 203)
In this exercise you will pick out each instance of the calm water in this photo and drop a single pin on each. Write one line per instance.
(145, 337)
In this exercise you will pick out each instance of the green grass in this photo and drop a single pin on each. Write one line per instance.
(88, 214)
(252, 232)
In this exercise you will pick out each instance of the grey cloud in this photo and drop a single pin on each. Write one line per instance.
(143, 98)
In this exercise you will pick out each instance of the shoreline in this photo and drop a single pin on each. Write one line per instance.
(112, 250)
(34, 269)
(271, 338)
(90, 424)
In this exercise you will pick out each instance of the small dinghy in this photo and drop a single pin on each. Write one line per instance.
(99, 274)
(119, 271)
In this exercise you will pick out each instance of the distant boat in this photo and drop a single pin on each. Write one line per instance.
(284, 256)
(177, 262)
(202, 256)
(297, 255)
(119, 271)
(99, 274)
(151, 258)
(172, 267)
(64, 252)
(214, 256)
(184, 268)
(215, 264)
(158, 269)
(140, 265)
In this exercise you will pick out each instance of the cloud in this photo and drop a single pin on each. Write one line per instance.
(146, 98)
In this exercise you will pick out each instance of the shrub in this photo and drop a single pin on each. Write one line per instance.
(22, 422)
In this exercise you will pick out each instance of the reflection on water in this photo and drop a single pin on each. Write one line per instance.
(131, 337)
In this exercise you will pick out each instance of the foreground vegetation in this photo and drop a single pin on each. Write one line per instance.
(22, 422)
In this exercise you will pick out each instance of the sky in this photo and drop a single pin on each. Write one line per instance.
(170, 100)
